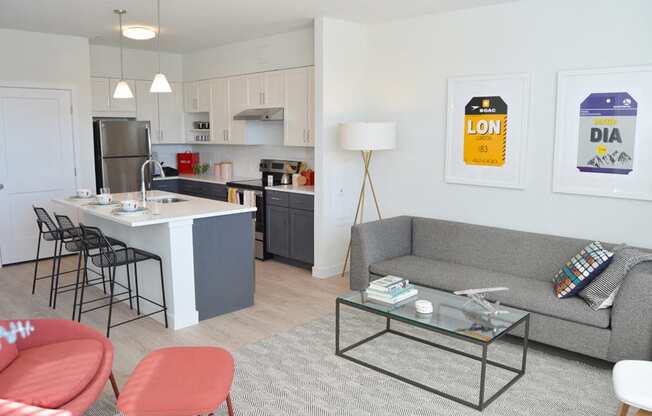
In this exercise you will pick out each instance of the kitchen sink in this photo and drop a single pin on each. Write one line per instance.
(167, 200)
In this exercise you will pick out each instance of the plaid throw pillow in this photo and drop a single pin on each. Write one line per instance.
(600, 293)
(581, 270)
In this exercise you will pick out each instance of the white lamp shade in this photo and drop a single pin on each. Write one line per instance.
(122, 90)
(160, 84)
(367, 136)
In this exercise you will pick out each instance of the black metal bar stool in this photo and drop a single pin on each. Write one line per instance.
(101, 253)
(47, 231)
(72, 241)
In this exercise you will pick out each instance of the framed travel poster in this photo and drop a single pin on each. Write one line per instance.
(603, 142)
(486, 131)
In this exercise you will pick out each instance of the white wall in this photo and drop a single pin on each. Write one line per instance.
(405, 70)
(340, 96)
(30, 58)
(286, 50)
(138, 63)
(410, 61)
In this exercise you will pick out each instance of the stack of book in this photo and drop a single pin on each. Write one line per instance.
(391, 290)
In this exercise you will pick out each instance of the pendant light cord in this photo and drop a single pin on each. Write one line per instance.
(158, 39)
(122, 69)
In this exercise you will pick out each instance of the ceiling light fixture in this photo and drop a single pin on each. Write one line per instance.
(160, 83)
(139, 32)
(122, 89)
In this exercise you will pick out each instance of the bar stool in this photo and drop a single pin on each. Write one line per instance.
(72, 241)
(106, 255)
(47, 231)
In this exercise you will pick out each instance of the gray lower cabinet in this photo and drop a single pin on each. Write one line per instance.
(168, 185)
(302, 242)
(278, 230)
(194, 188)
(290, 226)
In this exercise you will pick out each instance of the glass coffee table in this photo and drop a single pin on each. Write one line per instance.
(453, 316)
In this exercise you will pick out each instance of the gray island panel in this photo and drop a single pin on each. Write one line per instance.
(224, 264)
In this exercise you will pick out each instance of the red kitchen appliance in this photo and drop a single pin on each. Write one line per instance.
(186, 160)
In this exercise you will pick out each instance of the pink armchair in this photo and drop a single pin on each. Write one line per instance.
(60, 369)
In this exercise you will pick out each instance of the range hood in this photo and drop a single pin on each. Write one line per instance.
(261, 114)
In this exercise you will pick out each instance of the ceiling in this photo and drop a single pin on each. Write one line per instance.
(188, 25)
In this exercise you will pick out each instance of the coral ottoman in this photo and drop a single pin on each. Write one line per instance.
(179, 381)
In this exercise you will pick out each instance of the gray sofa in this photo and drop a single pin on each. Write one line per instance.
(453, 256)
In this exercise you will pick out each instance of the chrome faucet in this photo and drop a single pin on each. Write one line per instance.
(143, 189)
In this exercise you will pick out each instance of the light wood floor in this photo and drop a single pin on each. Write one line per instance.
(285, 297)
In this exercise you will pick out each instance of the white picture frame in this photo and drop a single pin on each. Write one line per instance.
(514, 89)
(573, 87)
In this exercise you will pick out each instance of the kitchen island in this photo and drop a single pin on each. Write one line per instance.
(207, 248)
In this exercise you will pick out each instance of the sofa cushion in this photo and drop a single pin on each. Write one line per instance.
(527, 294)
(518, 253)
(581, 270)
(51, 375)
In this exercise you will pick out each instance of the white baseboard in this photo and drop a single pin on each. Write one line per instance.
(328, 271)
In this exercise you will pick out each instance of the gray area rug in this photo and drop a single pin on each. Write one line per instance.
(297, 373)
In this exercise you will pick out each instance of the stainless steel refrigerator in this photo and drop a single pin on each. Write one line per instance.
(121, 147)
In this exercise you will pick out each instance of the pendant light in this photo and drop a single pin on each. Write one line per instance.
(122, 89)
(160, 83)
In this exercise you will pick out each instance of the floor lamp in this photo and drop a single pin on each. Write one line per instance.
(366, 138)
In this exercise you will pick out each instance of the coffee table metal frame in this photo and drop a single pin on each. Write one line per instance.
(482, 401)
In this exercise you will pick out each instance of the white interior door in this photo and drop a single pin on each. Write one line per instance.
(36, 164)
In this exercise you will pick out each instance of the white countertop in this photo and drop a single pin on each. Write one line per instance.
(205, 178)
(297, 189)
(190, 208)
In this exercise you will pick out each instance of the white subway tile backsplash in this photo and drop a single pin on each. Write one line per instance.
(245, 158)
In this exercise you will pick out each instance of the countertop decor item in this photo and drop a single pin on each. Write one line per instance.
(365, 138)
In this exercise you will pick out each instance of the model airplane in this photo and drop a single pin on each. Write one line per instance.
(478, 296)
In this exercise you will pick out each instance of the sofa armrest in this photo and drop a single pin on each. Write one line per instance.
(376, 241)
(631, 319)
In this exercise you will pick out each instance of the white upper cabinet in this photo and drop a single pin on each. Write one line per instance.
(204, 96)
(190, 103)
(220, 116)
(196, 97)
(103, 102)
(274, 93)
(169, 106)
(299, 108)
(122, 105)
(171, 115)
(100, 94)
(265, 90)
(255, 91)
(146, 110)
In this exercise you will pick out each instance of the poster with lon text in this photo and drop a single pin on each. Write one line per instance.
(486, 131)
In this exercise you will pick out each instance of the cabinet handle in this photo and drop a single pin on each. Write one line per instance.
(308, 136)
(304, 135)
(227, 135)
(263, 94)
